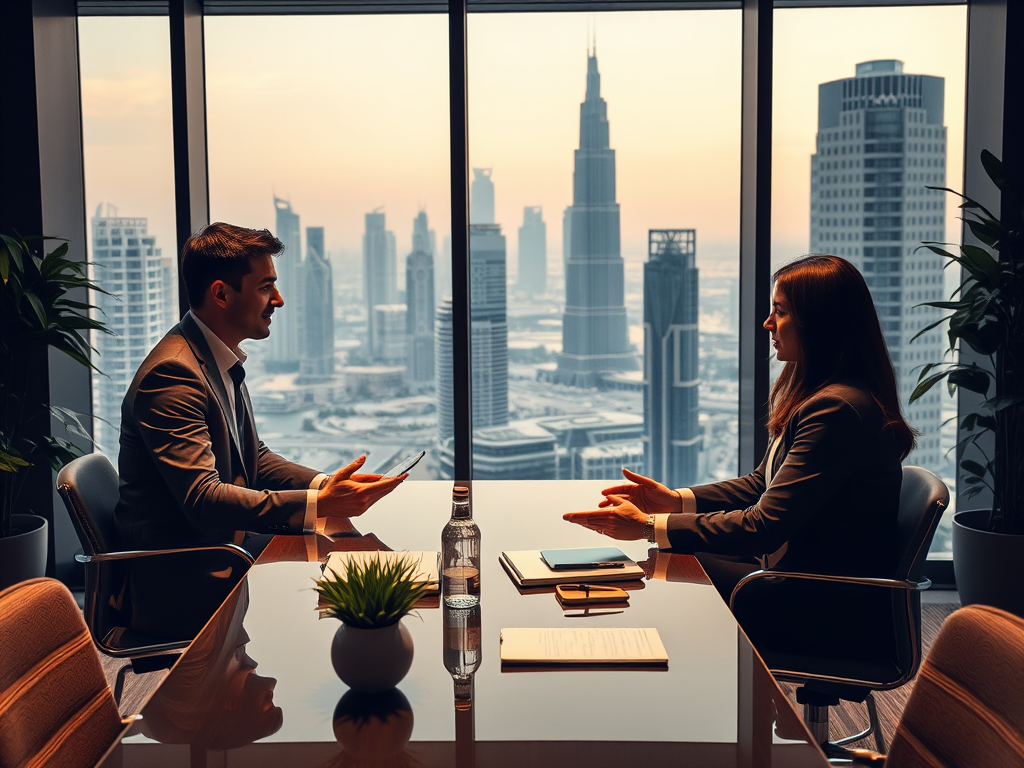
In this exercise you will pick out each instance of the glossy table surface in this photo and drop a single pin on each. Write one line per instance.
(715, 705)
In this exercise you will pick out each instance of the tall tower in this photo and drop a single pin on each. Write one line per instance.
(594, 335)
(286, 335)
(880, 142)
(419, 293)
(380, 268)
(445, 372)
(672, 437)
(481, 197)
(317, 310)
(489, 322)
(533, 252)
(126, 261)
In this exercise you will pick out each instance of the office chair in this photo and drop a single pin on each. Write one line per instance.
(886, 652)
(54, 699)
(967, 707)
(89, 487)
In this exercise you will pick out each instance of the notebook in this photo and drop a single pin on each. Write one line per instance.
(527, 568)
(583, 646)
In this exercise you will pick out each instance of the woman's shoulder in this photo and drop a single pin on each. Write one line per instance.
(842, 397)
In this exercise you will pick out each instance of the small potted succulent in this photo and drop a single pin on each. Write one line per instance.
(987, 315)
(372, 650)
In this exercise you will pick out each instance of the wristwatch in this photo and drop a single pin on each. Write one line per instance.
(649, 528)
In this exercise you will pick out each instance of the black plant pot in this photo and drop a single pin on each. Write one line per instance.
(987, 565)
(23, 553)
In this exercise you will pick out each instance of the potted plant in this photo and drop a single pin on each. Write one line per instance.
(372, 650)
(988, 316)
(36, 313)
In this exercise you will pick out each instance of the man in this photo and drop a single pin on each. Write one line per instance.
(193, 470)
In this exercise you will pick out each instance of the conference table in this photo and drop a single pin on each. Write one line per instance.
(256, 687)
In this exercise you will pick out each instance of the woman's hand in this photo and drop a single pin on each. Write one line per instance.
(649, 495)
(621, 519)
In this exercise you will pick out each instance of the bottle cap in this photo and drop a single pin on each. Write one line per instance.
(460, 490)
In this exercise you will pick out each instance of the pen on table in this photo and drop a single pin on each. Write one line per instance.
(588, 587)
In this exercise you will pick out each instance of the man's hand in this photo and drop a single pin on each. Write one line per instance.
(621, 519)
(346, 494)
(649, 495)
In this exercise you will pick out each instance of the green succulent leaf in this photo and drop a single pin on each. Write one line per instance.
(371, 594)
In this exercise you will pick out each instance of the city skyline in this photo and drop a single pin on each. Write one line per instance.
(128, 138)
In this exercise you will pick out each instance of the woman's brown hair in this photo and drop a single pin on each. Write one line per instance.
(840, 341)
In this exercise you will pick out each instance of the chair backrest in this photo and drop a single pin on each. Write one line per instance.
(967, 707)
(89, 487)
(54, 699)
(923, 498)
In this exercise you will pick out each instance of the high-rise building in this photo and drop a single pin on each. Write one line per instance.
(594, 334)
(285, 338)
(419, 293)
(388, 344)
(489, 322)
(317, 310)
(481, 197)
(489, 344)
(444, 370)
(127, 263)
(380, 267)
(533, 252)
(881, 140)
(566, 234)
(672, 436)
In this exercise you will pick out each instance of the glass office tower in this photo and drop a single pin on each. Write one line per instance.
(317, 310)
(419, 293)
(881, 142)
(286, 340)
(533, 252)
(594, 335)
(380, 278)
(672, 434)
(139, 310)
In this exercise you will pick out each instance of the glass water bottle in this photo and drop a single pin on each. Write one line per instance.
(462, 650)
(460, 554)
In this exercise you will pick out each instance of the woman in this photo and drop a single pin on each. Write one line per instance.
(826, 495)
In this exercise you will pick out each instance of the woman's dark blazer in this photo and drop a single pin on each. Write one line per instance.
(833, 499)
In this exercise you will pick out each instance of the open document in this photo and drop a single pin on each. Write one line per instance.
(583, 646)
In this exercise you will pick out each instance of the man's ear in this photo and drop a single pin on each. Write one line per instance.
(219, 293)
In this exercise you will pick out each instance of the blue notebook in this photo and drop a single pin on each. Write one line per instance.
(585, 559)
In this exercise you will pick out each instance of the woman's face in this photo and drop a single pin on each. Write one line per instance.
(782, 327)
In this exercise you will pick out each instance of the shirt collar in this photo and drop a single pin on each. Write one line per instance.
(223, 355)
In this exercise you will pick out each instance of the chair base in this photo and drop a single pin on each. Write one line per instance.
(816, 716)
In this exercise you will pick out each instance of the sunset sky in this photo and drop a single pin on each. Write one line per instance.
(344, 114)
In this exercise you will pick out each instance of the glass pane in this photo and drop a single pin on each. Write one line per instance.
(605, 201)
(129, 191)
(862, 123)
(332, 132)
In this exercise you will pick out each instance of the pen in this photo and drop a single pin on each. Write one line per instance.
(587, 587)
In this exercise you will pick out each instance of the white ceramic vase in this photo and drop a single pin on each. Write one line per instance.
(372, 660)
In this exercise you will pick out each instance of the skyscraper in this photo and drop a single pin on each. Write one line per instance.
(481, 197)
(533, 252)
(317, 310)
(880, 142)
(126, 262)
(419, 293)
(444, 370)
(594, 335)
(672, 437)
(380, 268)
(389, 338)
(285, 339)
(489, 322)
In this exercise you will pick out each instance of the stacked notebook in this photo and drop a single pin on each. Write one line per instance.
(537, 568)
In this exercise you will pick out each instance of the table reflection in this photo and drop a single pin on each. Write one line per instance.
(374, 729)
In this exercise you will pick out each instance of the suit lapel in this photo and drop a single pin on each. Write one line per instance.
(197, 341)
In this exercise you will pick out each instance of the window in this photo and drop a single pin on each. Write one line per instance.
(332, 132)
(129, 190)
(895, 72)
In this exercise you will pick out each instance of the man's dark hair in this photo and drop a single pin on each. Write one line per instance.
(222, 251)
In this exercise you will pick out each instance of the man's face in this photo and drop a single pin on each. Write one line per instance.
(249, 309)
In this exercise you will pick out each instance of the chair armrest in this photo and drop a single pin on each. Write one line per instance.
(104, 557)
(867, 757)
(910, 586)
